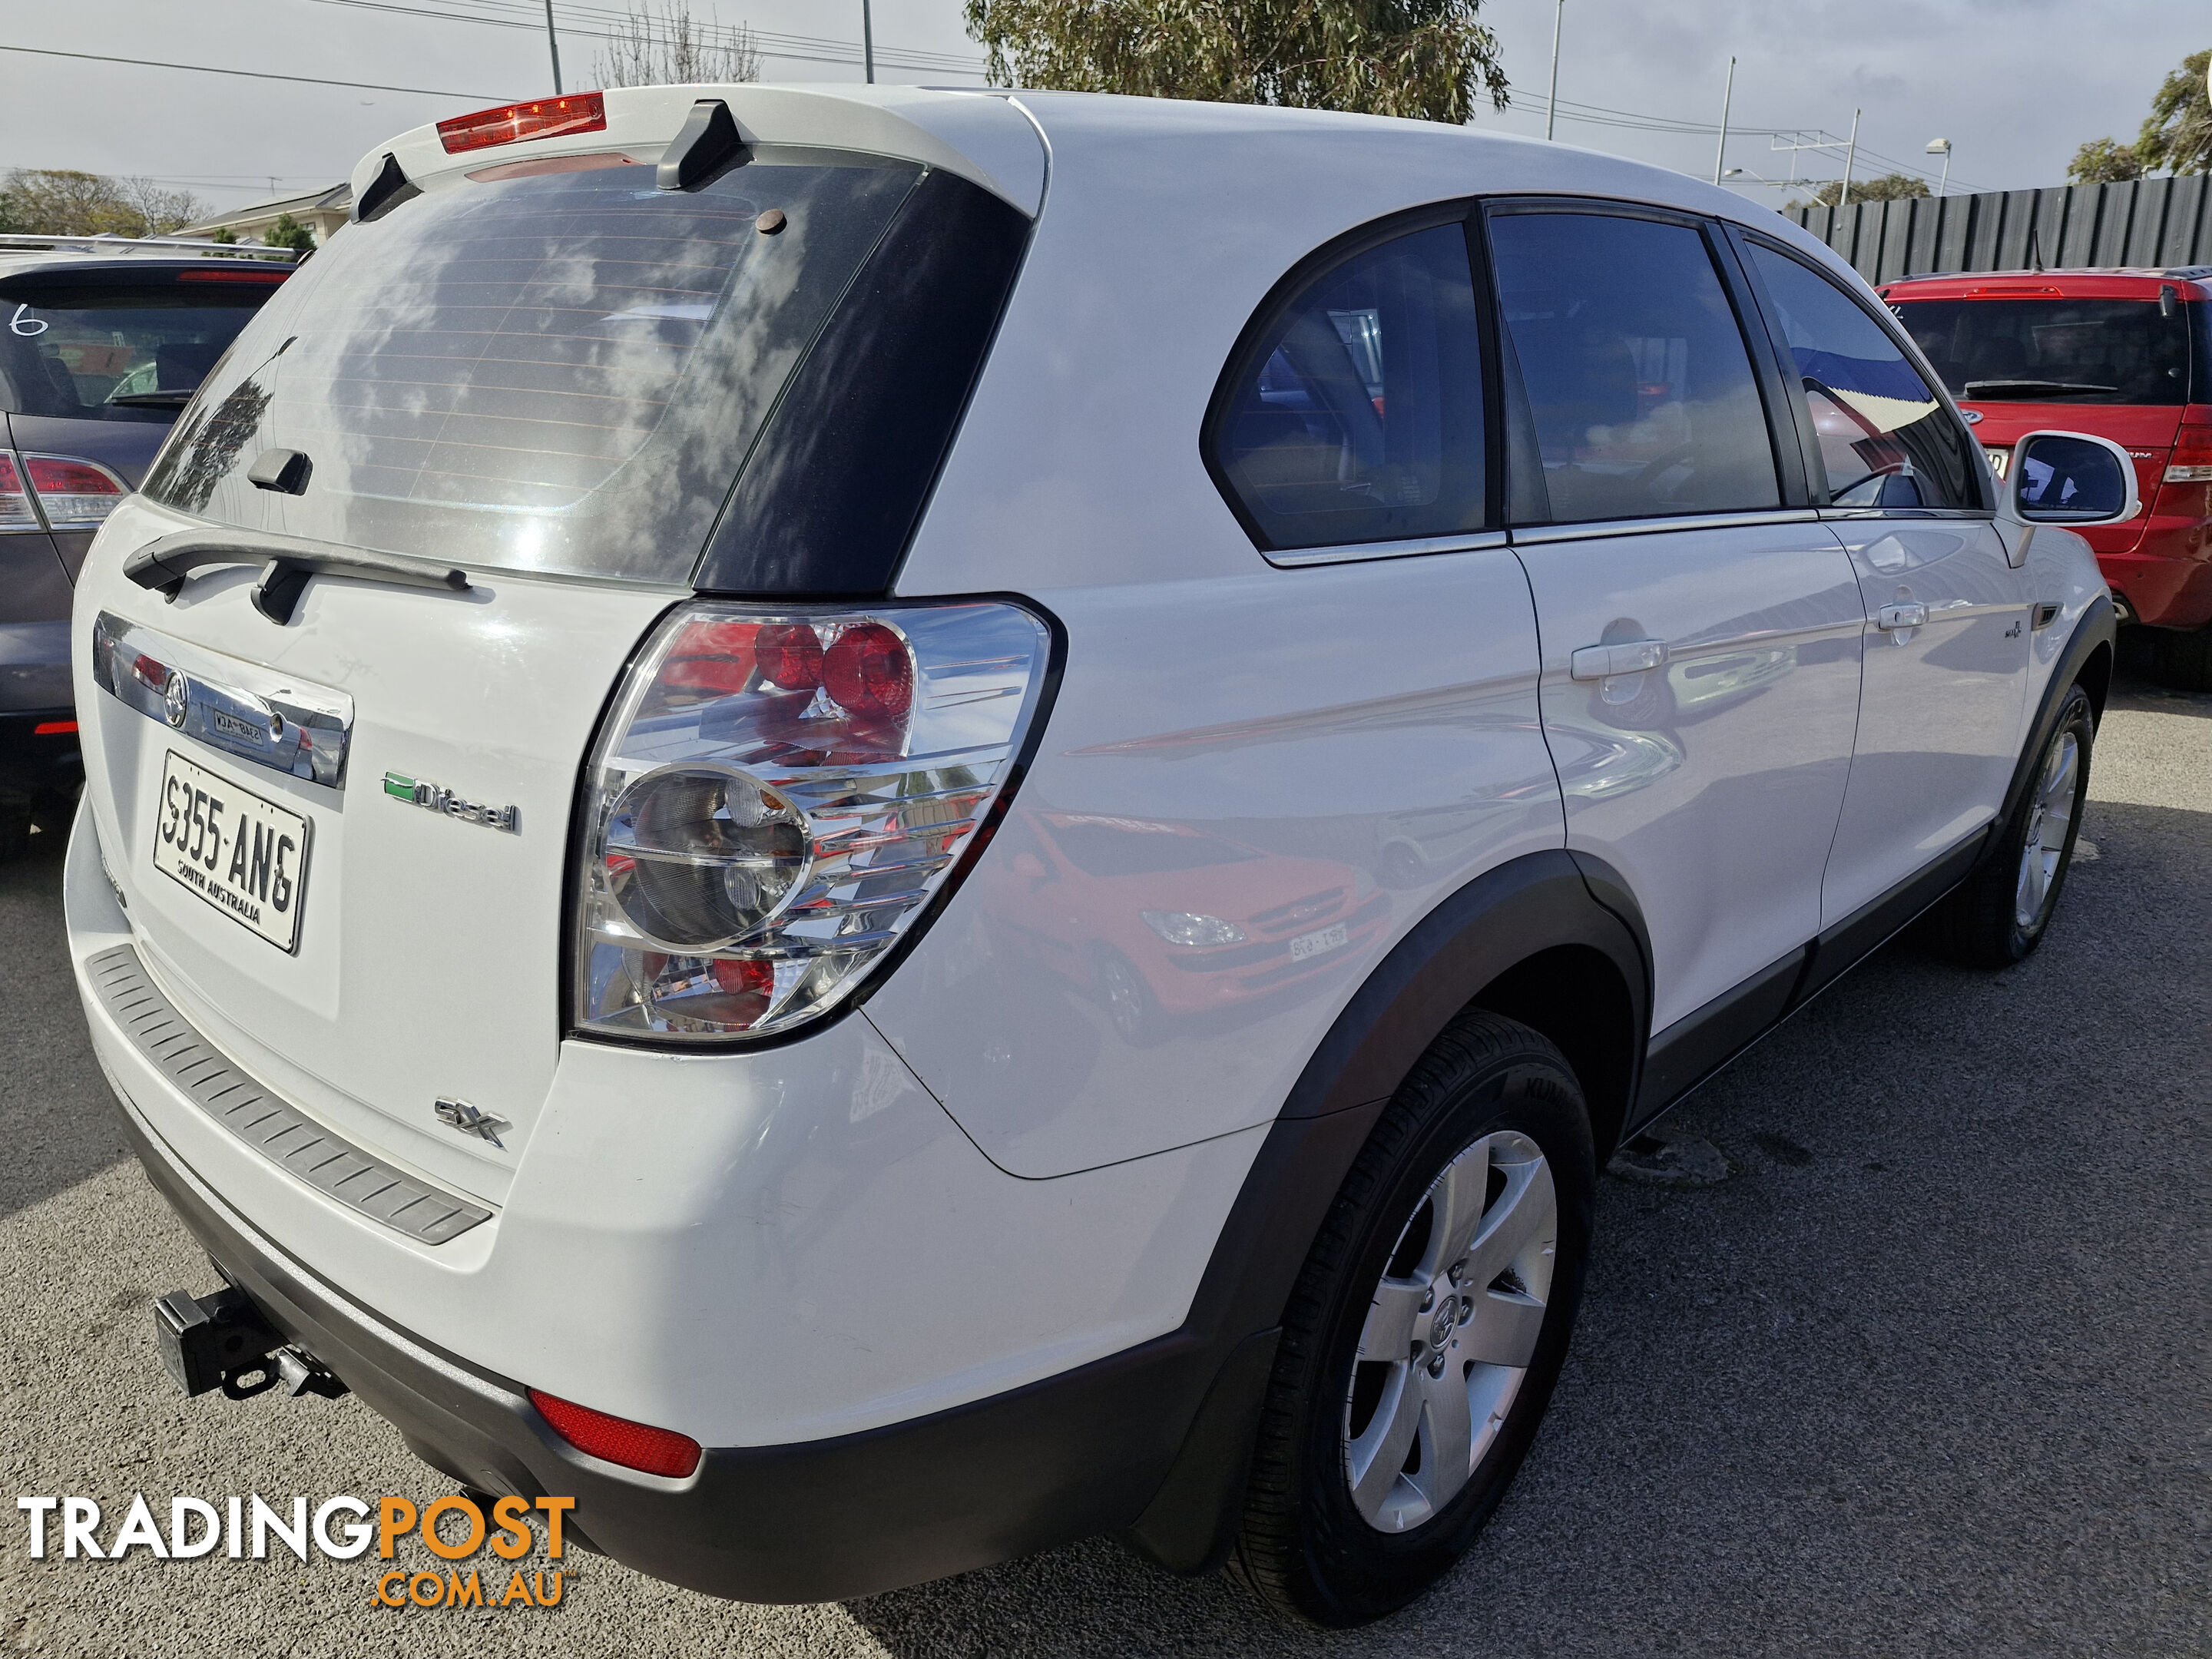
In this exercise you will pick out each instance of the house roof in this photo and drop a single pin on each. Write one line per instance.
(334, 196)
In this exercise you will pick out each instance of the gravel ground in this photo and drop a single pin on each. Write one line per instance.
(1927, 1373)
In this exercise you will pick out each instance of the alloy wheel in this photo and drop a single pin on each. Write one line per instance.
(1450, 1331)
(2049, 820)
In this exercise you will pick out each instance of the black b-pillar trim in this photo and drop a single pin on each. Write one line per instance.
(837, 480)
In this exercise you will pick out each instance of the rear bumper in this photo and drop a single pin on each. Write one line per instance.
(2167, 576)
(821, 1521)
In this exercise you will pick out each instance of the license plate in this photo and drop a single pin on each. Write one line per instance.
(1313, 944)
(1999, 459)
(246, 856)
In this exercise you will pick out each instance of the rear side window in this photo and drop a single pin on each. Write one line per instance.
(559, 371)
(1356, 414)
(116, 353)
(1637, 380)
(2055, 351)
(1885, 437)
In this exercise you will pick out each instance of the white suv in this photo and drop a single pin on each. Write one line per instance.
(882, 826)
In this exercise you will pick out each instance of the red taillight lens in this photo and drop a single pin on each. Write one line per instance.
(2191, 460)
(510, 123)
(713, 658)
(870, 671)
(54, 729)
(75, 495)
(790, 656)
(16, 512)
(618, 1440)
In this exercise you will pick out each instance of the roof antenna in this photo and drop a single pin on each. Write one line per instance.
(2035, 249)
(708, 142)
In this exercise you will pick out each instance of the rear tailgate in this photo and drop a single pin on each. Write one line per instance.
(429, 946)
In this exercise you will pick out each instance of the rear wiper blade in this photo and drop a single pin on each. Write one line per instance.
(289, 560)
(2023, 388)
(152, 399)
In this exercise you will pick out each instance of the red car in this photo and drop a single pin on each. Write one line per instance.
(2123, 353)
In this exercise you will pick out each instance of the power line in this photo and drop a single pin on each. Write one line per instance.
(254, 75)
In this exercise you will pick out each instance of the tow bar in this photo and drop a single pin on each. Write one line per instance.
(221, 1340)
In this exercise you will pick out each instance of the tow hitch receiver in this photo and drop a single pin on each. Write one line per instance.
(221, 1340)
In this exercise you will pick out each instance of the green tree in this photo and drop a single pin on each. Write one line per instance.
(2104, 161)
(288, 232)
(63, 202)
(2178, 136)
(226, 235)
(1429, 59)
(1888, 187)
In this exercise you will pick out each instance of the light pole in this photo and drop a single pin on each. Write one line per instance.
(553, 46)
(1720, 154)
(867, 39)
(1851, 154)
(1552, 104)
(1942, 147)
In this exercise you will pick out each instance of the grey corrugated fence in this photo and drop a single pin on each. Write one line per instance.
(2146, 222)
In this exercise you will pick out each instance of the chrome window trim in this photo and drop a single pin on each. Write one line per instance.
(1474, 541)
(1538, 535)
(249, 712)
(1907, 514)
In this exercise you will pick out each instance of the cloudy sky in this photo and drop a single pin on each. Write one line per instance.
(2015, 84)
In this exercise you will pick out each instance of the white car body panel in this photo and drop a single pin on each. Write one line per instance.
(1356, 693)
(1712, 784)
(1943, 710)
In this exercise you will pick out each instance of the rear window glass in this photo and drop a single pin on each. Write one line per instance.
(2054, 350)
(116, 354)
(561, 371)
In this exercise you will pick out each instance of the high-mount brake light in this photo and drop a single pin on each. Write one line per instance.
(776, 797)
(16, 512)
(73, 495)
(616, 1439)
(236, 273)
(510, 123)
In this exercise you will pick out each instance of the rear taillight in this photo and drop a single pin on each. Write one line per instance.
(618, 1440)
(73, 495)
(510, 123)
(777, 796)
(16, 512)
(2191, 461)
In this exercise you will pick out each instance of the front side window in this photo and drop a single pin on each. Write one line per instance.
(1637, 382)
(1358, 416)
(1886, 439)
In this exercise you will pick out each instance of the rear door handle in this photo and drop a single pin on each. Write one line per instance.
(1598, 662)
(1901, 615)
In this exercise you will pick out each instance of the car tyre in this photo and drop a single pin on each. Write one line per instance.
(1128, 1001)
(2182, 661)
(2001, 912)
(1358, 1500)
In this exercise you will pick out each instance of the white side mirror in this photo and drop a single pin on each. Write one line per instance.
(2070, 478)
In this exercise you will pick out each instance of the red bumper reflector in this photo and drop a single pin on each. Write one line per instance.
(618, 1440)
(510, 123)
(54, 729)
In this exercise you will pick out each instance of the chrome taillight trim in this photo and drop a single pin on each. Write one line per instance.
(250, 712)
